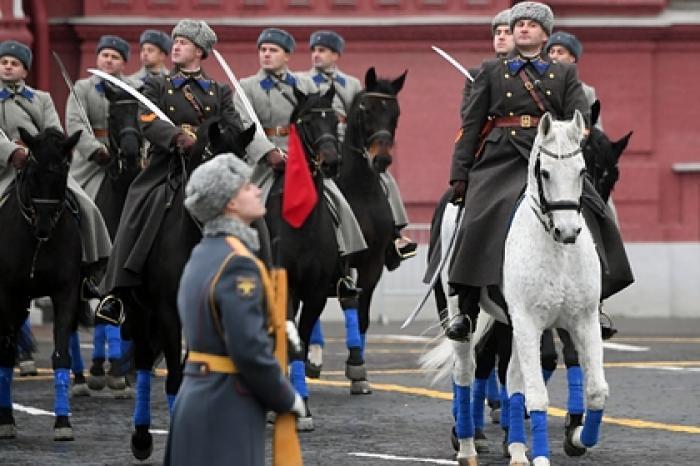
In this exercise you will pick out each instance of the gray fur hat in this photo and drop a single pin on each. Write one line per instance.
(568, 40)
(18, 50)
(501, 19)
(114, 43)
(278, 37)
(198, 32)
(213, 184)
(535, 11)
(329, 39)
(157, 38)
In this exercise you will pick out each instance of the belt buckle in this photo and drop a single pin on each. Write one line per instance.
(279, 130)
(188, 129)
(525, 121)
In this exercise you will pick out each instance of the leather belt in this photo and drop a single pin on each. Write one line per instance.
(277, 131)
(100, 132)
(519, 121)
(208, 362)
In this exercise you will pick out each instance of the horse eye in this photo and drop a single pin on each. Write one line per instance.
(545, 174)
(583, 172)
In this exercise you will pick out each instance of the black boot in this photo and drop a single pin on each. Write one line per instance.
(89, 290)
(110, 311)
(461, 326)
(402, 248)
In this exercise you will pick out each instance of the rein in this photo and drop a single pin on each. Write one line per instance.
(309, 145)
(364, 150)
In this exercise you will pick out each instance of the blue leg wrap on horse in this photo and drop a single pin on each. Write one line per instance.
(505, 408)
(25, 342)
(76, 359)
(114, 341)
(516, 431)
(591, 427)
(352, 328)
(126, 346)
(574, 375)
(492, 392)
(98, 342)
(547, 374)
(363, 339)
(465, 425)
(297, 375)
(455, 401)
(538, 426)
(317, 334)
(171, 403)
(6, 387)
(142, 410)
(61, 379)
(479, 394)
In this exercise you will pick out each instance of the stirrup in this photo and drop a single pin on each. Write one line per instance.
(607, 328)
(88, 290)
(105, 312)
(405, 247)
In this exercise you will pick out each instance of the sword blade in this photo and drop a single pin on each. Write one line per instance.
(241, 93)
(133, 92)
(453, 62)
(71, 89)
(443, 260)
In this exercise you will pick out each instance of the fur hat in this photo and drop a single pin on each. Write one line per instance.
(198, 32)
(157, 38)
(278, 37)
(501, 19)
(213, 184)
(568, 40)
(18, 50)
(114, 43)
(329, 39)
(535, 11)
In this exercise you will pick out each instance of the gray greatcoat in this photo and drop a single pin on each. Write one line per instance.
(34, 111)
(90, 92)
(219, 419)
(143, 74)
(497, 178)
(273, 109)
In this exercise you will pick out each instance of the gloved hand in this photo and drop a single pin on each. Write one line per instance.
(459, 191)
(276, 159)
(184, 142)
(18, 158)
(299, 407)
(101, 156)
(295, 348)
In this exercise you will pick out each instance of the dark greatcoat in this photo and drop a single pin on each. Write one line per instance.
(153, 188)
(219, 419)
(497, 178)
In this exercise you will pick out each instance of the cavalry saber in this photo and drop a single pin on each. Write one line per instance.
(71, 89)
(453, 62)
(133, 92)
(241, 93)
(443, 260)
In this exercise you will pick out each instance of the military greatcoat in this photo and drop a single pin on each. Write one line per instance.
(91, 95)
(497, 177)
(219, 418)
(34, 111)
(145, 204)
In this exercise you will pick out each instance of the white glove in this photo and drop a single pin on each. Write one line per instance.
(299, 407)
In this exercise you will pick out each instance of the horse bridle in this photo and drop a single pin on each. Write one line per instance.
(545, 208)
(309, 145)
(114, 140)
(364, 150)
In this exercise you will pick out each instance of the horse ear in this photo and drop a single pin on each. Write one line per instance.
(621, 145)
(579, 126)
(300, 96)
(329, 95)
(397, 84)
(545, 125)
(25, 137)
(595, 112)
(214, 134)
(72, 140)
(110, 93)
(247, 135)
(370, 79)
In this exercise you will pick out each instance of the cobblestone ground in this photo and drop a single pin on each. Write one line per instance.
(653, 411)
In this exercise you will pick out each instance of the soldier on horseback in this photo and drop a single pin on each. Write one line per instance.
(155, 48)
(489, 167)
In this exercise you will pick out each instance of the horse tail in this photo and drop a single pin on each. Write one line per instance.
(441, 358)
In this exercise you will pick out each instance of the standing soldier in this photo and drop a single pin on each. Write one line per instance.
(89, 169)
(155, 47)
(230, 370)
(33, 110)
(491, 172)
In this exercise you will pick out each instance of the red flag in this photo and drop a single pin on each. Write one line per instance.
(299, 197)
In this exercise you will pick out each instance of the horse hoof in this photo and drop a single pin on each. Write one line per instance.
(360, 387)
(496, 416)
(481, 443)
(96, 382)
(572, 422)
(79, 389)
(27, 367)
(355, 372)
(540, 461)
(62, 430)
(116, 382)
(453, 439)
(141, 445)
(8, 431)
(313, 371)
(471, 461)
(305, 424)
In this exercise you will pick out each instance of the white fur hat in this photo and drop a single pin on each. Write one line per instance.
(198, 32)
(535, 11)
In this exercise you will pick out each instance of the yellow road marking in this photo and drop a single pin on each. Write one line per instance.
(552, 411)
(389, 341)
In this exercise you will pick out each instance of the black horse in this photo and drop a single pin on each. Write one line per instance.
(152, 318)
(369, 139)
(309, 253)
(41, 254)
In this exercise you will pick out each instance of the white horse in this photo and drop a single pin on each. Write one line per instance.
(551, 278)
